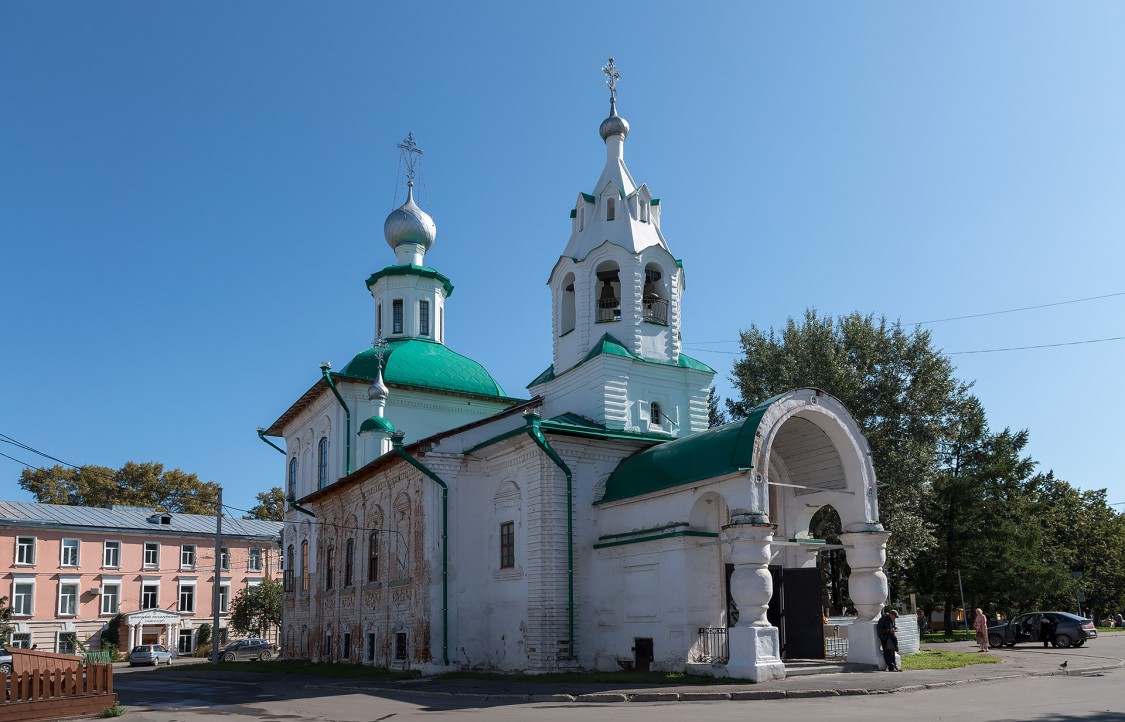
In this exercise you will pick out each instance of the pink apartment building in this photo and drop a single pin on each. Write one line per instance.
(69, 570)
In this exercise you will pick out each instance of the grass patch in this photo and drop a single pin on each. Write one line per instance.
(959, 635)
(941, 659)
(616, 678)
(303, 667)
(112, 711)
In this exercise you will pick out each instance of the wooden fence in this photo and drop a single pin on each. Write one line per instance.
(38, 690)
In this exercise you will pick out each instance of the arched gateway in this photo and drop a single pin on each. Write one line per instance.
(747, 492)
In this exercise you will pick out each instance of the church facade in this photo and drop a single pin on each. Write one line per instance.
(437, 523)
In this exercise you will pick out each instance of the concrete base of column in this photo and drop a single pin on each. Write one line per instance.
(755, 654)
(863, 645)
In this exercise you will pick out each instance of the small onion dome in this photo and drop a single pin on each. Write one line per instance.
(409, 224)
(378, 391)
(376, 423)
(614, 124)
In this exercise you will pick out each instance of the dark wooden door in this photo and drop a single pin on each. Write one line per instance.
(804, 626)
(642, 653)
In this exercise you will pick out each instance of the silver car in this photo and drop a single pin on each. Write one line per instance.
(152, 654)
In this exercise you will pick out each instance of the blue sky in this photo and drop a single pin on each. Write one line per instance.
(192, 194)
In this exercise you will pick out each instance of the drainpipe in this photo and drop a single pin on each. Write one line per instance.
(396, 441)
(324, 369)
(536, 435)
(262, 436)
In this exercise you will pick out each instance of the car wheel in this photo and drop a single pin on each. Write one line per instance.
(995, 640)
(1063, 641)
(265, 656)
(5, 668)
(228, 657)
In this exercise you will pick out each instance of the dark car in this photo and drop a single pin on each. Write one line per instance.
(247, 649)
(1070, 630)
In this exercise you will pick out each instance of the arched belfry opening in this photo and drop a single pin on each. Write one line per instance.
(566, 306)
(608, 292)
(655, 295)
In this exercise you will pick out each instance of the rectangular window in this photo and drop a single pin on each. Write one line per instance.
(400, 646)
(328, 644)
(112, 555)
(424, 318)
(187, 556)
(304, 566)
(255, 561)
(25, 550)
(111, 596)
(187, 598)
(224, 558)
(347, 645)
(68, 599)
(370, 647)
(378, 320)
(329, 562)
(373, 557)
(150, 596)
(152, 555)
(66, 643)
(224, 598)
(610, 209)
(69, 553)
(184, 646)
(349, 562)
(644, 211)
(21, 640)
(507, 545)
(396, 316)
(22, 593)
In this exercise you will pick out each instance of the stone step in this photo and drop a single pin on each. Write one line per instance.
(804, 667)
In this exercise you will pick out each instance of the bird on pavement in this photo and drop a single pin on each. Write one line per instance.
(1063, 665)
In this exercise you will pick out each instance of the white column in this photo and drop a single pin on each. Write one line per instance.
(132, 638)
(866, 553)
(169, 640)
(755, 647)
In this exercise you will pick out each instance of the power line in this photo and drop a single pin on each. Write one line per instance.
(9, 440)
(1014, 310)
(20, 462)
(1045, 345)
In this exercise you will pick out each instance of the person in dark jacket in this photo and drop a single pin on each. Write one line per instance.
(1047, 627)
(887, 632)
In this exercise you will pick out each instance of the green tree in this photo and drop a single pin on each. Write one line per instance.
(257, 609)
(135, 484)
(900, 389)
(5, 620)
(715, 415)
(270, 506)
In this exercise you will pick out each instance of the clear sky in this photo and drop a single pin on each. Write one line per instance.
(192, 195)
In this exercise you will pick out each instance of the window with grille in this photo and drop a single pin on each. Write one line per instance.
(373, 557)
(329, 563)
(400, 646)
(424, 318)
(396, 315)
(305, 566)
(293, 478)
(507, 545)
(289, 569)
(349, 562)
(322, 464)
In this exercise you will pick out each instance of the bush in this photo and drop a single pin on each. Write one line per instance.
(114, 711)
(112, 650)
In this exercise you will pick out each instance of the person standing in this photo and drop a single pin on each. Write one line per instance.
(981, 625)
(887, 632)
(1047, 629)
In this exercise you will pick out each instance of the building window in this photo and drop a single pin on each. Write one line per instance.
(347, 645)
(566, 306)
(293, 478)
(507, 545)
(322, 463)
(305, 566)
(370, 647)
(25, 550)
(185, 640)
(187, 598)
(111, 595)
(400, 646)
(441, 324)
(396, 315)
(644, 210)
(112, 555)
(254, 563)
(152, 555)
(328, 644)
(69, 552)
(66, 643)
(68, 599)
(22, 594)
(21, 640)
(224, 558)
(187, 556)
(655, 415)
(373, 557)
(349, 562)
(329, 563)
(378, 320)
(610, 209)
(289, 569)
(424, 318)
(224, 599)
(150, 596)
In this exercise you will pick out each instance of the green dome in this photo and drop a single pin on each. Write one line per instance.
(427, 364)
(377, 423)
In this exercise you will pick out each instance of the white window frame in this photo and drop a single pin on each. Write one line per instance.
(58, 641)
(250, 565)
(25, 553)
(150, 582)
(194, 555)
(21, 580)
(69, 582)
(184, 583)
(144, 555)
(224, 558)
(115, 584)
(21, 640)
(105, 554)
(77, 546)
(224, 596)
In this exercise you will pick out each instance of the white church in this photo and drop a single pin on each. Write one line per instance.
(437, 523)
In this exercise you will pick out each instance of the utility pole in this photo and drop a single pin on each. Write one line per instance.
(215, 586)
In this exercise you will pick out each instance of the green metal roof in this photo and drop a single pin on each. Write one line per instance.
(412, 270)
(377, 423)
(589, 198)
(716, 452)
(575, 425)
(609, 346)
(424, 363)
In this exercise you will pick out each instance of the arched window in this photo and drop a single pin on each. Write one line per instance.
(655, 296)
(305, 565)
(655, 415)
(329, 567)
(289, 569)
(322, 464)
(566, 306)
(293, 478)
(608, 292)
(373, 557)
(349, 561)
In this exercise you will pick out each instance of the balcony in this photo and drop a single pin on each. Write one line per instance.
(656, 310)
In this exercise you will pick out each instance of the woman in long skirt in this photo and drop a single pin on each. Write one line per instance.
(981, 625)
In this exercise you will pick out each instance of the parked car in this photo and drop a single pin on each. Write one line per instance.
(152, 654)
(5, 662)
(1071, 630)
(247, 649)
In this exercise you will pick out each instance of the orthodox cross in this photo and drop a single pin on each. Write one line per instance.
(380, 346)
(410, 151)
(611, 78)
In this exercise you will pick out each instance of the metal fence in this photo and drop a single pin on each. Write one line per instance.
(712, 647)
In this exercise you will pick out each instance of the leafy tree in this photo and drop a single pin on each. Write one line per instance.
(136, 484)
(900, 389)
(270, 506)
(5, 620)
(715, 415)
(257, 609)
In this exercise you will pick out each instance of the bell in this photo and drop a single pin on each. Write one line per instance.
(650, 291)
(607, 292)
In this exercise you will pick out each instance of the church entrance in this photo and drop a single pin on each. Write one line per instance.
(795, 610)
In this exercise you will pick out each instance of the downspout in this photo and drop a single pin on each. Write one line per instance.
(324, 369)
(396, 440)
(536, 435)
(262, 436)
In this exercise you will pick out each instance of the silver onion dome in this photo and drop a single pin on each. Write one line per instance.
(378, 391)
(614, 124)
(409, 224)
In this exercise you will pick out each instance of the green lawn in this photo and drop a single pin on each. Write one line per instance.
(959, 635)
(942, 659)
(620, 678)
